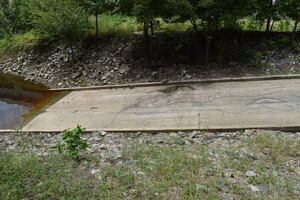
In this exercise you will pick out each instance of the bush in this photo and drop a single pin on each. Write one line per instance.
(14, 19)
(62, 19)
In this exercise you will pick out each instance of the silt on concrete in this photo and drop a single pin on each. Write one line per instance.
(221, 105)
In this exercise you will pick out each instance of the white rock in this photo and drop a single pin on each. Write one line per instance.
(254, 188)
(95, 171)
(141, 173)
(103, 133)
(251, 174)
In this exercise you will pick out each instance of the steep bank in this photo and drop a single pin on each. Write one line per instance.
(176, 56)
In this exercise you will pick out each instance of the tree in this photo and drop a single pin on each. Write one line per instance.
(14, 17)
(267, 10)
(98, 7)
(145, 12)
(209, 16)
(291, 8)
(60, 19)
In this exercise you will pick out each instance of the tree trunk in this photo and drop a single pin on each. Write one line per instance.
(295, 26)
(269, 18)
(72, 52)
(194, 24)
(268, 25)
(208, 45)
(151, 39)
(220, 51)
(97, 24)
(273, 22)
(146, 37)
(10, 3)
(295, 29)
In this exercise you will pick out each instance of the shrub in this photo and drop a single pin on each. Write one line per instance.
(73, 142)
(14, 19)
(62, 19)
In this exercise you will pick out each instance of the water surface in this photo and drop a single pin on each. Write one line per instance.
(20, 100)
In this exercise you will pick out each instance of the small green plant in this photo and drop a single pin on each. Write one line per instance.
(283, 41)
(73, 142)
(253, 57)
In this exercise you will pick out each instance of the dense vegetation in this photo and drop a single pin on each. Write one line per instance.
(72, 20)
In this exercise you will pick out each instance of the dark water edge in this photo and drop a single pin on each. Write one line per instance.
(21, 100)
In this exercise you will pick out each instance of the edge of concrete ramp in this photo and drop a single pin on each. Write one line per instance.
(286, 129)
(170, 83)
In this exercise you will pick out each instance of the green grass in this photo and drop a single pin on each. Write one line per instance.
(25, 176)
(156, 171)
(250, 24)
(115, 25)
(19, 42)
(278, 148)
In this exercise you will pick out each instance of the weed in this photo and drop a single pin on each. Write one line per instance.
(73, 142)
(253, 57)
(283, 41)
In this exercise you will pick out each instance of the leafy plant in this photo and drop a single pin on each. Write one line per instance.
(283, 41)
(253, 57)
(59, 19)
(73, 142)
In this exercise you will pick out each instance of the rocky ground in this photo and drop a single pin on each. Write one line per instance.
(119, 60)
(250, 164)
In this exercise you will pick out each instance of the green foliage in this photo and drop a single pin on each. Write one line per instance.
(17, 43)
(97, 7)
(115, 25)
(70, 20)
(253, 57)
(62, 19)
(15, 18)
(282, 41)
(73, 142)
(291, 8)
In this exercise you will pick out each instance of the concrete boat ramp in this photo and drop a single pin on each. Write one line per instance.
(199, 105)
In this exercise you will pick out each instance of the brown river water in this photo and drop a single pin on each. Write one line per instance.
(21, 100)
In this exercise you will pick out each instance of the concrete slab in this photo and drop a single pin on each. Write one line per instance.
(223, 105)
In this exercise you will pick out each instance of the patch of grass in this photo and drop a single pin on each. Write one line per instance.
(174, 27)
(115, 25)
(277, 148)
(252, 57)
(171, 172)
(25, 176)
(155, 171)
(17, 43)
(251, 24)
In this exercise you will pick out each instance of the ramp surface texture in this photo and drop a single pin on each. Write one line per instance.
(254, 104)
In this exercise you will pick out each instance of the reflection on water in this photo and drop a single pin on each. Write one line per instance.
(11, 114)
(20, 99)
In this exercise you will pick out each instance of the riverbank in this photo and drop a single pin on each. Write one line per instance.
(176, 56)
